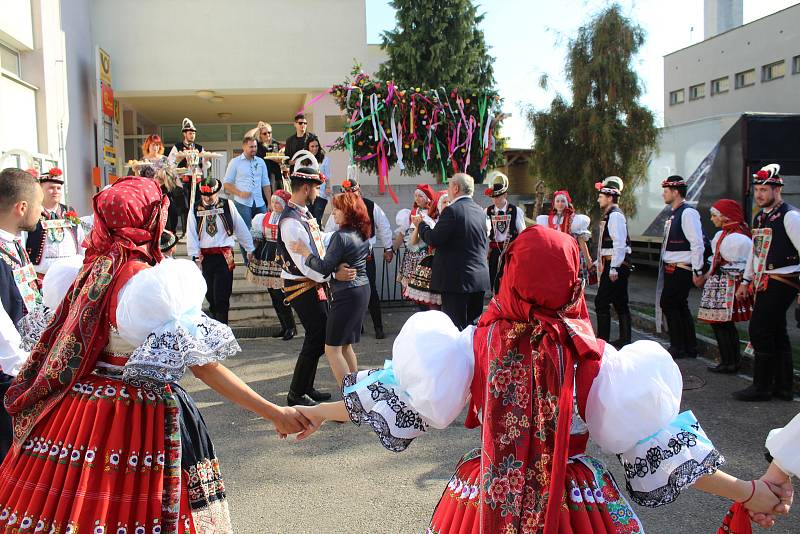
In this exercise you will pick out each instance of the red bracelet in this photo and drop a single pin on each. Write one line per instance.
(753, 482)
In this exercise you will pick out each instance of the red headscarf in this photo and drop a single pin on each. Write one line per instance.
(428, 191)
(731, 210)
(527, 342)
(128, 220)
(569, 213)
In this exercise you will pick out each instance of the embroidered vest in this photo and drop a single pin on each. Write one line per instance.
(181, 146)
(606, 241)
(509, 226)
(34, 244)
(226, 215)
(781, 252)
(371, 212)
(291, 212)
(676, 239)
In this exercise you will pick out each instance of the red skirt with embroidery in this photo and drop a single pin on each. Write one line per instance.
(592, 502)
(105, 460)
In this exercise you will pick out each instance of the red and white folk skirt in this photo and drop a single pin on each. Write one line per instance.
(592, 502)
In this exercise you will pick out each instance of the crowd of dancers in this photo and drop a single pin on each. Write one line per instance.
(99, 436)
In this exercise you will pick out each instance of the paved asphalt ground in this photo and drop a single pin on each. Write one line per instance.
(342, 481)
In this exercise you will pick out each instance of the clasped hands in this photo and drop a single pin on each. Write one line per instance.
(773, 496)
(344, 273)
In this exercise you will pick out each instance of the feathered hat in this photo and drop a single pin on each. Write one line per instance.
(54, 175)
(674, 181)
(768, 175)
(188, 125)
(612, 185)
(210, 188)
(498, 184)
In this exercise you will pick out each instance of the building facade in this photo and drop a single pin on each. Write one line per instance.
(749, 68)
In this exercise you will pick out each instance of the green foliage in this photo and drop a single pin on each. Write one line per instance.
(603, 130)
(437, 43)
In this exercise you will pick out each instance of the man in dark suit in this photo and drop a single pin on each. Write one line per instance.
(460, 267)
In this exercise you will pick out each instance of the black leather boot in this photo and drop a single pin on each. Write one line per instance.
(784, 379)
(724, 347)
(624, 331)
(760, 390)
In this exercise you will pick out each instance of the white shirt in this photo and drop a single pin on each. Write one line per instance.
(10, 238)
(11, 355)
(782, 445)
(221, 239)
(618, 230)
(500, 237)
(53, 250)
(693, 230)
(791, 221)
(173, 157)
(734, 250)
(383, 229)
(293, 230)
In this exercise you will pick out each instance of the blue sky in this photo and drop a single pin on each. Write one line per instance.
(528, 38)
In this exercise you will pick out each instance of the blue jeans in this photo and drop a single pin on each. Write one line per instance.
(247, 213)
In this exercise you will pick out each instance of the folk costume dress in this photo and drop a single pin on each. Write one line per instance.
(57, 235)
(265, 269)
(414, 253)
(569, 222)
(518, 370)
(98, 420)
(418, 288)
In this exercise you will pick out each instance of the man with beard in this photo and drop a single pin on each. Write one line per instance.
(20, 207)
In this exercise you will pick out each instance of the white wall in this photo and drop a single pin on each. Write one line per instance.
(751, 46)
(16, 26)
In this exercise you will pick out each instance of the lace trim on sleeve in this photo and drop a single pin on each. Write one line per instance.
(32, 325)
(165, 355)
(384, 411)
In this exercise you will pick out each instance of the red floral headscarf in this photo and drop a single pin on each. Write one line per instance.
(731, 210)
(569, 213)
(527, 342)
(128, 220)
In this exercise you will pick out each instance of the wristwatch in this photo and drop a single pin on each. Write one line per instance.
(613, 270)
(698, 272)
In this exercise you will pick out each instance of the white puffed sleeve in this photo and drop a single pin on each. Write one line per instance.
(541, 220)
(159, 312)
(632, 411)
(59, 278)
(402, 219)
(580, 227)
(735, 249)
(425, 384)
(782, 444)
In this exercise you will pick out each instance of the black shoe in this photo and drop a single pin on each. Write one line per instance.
(279, 333)
(319, 396)
(751, 394)
(379, 334)
(289, 334)
(677, 354)
(302, 400)
(725, 369)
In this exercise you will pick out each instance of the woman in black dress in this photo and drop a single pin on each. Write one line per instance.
(349, 244)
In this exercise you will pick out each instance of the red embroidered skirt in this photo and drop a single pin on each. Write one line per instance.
(592, 502)
(106, 460)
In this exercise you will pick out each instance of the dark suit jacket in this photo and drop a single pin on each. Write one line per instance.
(460, 264)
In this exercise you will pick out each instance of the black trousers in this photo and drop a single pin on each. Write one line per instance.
(463, 308)
(313, 314)
(283, 311)
(675, 305)
(374, 299)
(612, 293)
(770, 340)
(727, 342)
(494, 265)
(6, 428)
(219, 283)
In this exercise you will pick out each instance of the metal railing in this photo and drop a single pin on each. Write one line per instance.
(389, 289)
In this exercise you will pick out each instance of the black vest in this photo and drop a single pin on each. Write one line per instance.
(34, 244)
(227, 216)
(9, 293)
(371, 212)
(290, 212)
(180, 146)
(782, 252)
(606, 240)
(511, 209)
(676, 239)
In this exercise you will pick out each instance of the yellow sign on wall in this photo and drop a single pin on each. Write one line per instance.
(105, 66)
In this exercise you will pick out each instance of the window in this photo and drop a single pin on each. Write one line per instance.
(745, 78)
(796, 65)
(773, 71)
(676, 97)
(720, 85)
(9, 60)
(697, 92)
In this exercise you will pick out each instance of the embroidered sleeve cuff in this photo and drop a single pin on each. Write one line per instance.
(660, 467)
(382, 408)
(32, 325)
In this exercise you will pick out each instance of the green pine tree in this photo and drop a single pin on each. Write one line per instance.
(603, 130)
(437, 43)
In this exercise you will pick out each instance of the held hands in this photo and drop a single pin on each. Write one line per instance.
(315, 418)
(780, 484)
(344, 273)
(289, 420)
(388, 255)
(416, 220)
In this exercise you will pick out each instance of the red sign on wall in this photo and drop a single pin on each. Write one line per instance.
(108, 99)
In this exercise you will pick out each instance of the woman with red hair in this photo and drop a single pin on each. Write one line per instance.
(156, 166)
(719, 306)
(350, 245)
